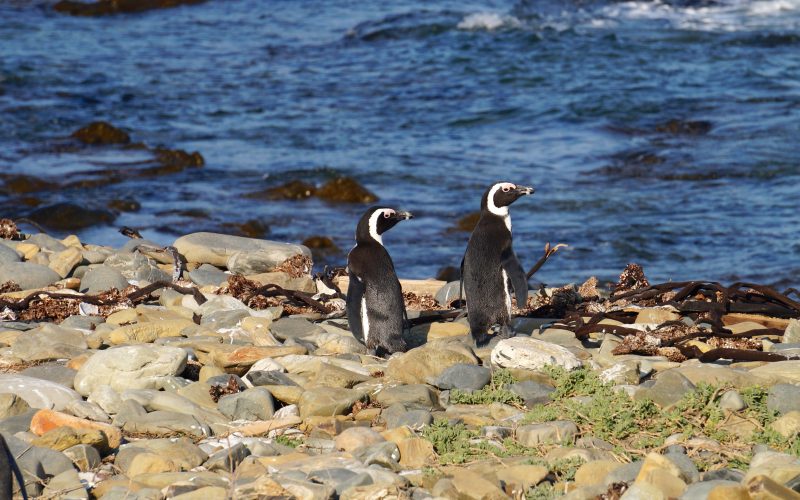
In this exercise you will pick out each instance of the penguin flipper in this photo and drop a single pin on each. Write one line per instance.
(516, 275)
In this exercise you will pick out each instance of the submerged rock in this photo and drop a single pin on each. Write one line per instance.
(345, 190)
(97, 133)
(69, 216)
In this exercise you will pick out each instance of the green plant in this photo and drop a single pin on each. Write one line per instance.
(288, 440)
(495, 392)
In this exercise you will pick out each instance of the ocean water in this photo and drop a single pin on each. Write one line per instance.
(666, 134)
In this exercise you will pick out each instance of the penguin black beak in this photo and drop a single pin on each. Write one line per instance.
(403, 215)
(524, 190)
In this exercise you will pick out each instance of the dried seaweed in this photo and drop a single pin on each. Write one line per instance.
(735, 343)
(614, 492)
(420, 302)
(258, 296)
(217, 391)
(556, 304)
(548, 252)
(588, 290)
(296, 266)
(632, 278)
(8, 230)
(9, 286)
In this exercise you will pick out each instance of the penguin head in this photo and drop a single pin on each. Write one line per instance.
(500, 195)
(378, 220)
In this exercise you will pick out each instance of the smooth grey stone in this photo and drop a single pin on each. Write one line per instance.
(686, 465)
(624, 474)
(36, 392)
(531, 392)
(383, 454)
(18, 423)
(287, 328)
(263, 448)
(135, 266)
(124, 493)
(53, 372)
(341, 480)
(224, 319)
(260, 377)
(49, 342)
(668, 388)
(46, 242)
(675, 448)
(413, 397)
(732, 400)
(8, 255)
(167, 423)
(791, 335)
(87, 410)
(253, 404)
(448, 293)
(101, 278)
(557, 431)
(53, 462)
(464, 377)
(784, 398)
(218, 249)
(28, 275)
(83, 322)
(9, 482)
(84, 457)
(127, 410)
(723, 474)
(700, 491)
(227, 460)
(392, 413)
(306, 489)
(207, 274)
(172, 384)
(416, 419)
(66, 486)
(19, 326)
(130, 367)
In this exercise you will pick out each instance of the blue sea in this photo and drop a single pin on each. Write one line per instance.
(662, 133)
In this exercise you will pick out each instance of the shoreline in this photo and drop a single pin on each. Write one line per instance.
(218, 384)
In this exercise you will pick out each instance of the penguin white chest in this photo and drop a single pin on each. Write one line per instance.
(505, 290)
(364, 320)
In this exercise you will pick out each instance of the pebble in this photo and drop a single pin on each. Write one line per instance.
(252, 254)
(27, 275)
(784, 398)
(464, 377)
(531, 354)
(130, 367)
(102, 278)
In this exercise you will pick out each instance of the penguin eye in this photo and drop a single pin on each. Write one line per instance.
(506, 189)
(386, 214)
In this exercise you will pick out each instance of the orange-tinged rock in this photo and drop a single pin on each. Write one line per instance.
(46, 420)
(78, 361)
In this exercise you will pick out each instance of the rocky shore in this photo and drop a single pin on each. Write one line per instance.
(219, 367)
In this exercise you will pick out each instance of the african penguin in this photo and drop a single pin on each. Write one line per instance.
(490, 267)
(375, 307)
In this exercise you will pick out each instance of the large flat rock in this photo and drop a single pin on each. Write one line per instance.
(217, 249)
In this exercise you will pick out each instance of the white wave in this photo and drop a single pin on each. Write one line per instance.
(487, 21)
(733, 15)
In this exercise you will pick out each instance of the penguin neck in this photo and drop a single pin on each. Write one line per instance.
(502, 214)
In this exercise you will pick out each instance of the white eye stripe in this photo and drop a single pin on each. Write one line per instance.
(499, 211)
(373, 225)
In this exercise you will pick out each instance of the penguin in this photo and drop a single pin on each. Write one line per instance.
(490, 268)
(375, 308)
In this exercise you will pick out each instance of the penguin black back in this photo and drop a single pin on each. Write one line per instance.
(490, 267)
(375, 307)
